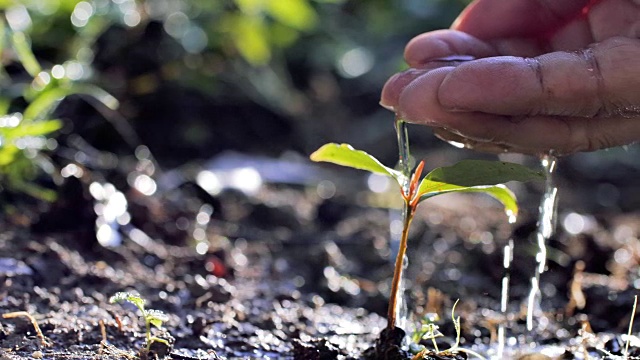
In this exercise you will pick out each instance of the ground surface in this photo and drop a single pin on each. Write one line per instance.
(298, 271)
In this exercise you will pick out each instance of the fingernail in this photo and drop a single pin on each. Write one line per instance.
(454, 58)
(388, 107)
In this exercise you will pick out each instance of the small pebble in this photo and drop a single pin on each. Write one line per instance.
(37, 354)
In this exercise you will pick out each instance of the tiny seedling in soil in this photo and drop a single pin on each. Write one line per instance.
(466, 176)
(429, 330)
(150, 316)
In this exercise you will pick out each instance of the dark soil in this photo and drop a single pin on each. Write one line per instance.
(289, 274)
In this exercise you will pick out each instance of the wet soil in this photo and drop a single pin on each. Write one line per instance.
(302, 271)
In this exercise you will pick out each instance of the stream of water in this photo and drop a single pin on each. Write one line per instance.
(546, 226)
(402, 311)
(504, 297)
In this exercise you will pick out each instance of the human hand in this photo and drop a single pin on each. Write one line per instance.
(542, 75)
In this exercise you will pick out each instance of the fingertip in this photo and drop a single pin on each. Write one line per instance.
(439, 44)
(395, 85)
(418, 102)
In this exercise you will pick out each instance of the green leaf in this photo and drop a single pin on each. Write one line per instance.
(95, 92)
(249, 35)
(37, 128)
(36, 191)
(155, 317)
(135, 299)
(298, 14)
(428, 189)
(483, 172)
(346, 155)
(7, 154)
(44, 103)
(23, 49)
(41, 106)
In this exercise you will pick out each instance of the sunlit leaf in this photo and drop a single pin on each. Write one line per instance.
(23, 50)
(429, 189)
(8, 154)
(4, 105)
(42, 105)
(37, 128)
(483, 172)
(298, 14)
(345, 155)
(250, 38)
(135, 299)
(156, 317)
(95, 92)
(251, 7)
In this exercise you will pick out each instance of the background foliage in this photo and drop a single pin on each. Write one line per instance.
(193, 79)
(242, 74)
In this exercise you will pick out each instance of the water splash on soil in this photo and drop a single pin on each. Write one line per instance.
(546, 226)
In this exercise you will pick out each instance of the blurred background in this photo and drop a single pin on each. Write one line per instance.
(193, 79)
(102, 98)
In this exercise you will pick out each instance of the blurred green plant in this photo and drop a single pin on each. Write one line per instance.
(27, 101)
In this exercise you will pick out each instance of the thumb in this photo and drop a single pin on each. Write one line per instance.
(601, 80)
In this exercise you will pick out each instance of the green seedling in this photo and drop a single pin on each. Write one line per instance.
(429, 330)
(150, 316)
(466, 176)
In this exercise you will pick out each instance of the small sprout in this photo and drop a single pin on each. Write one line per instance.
(429, 330)
(466, 176)
(150, 316)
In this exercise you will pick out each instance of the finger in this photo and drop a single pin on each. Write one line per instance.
(599, 80)
(545, 134)
(463, 142)
(573, 36)
(394, 86)
(494, 19)
(444, 43)
(419, 103)
(615, 18)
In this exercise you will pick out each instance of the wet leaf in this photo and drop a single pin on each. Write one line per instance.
(135, 299)
(346, 155)
(429, 189)
(483, 172)
(156, 317)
